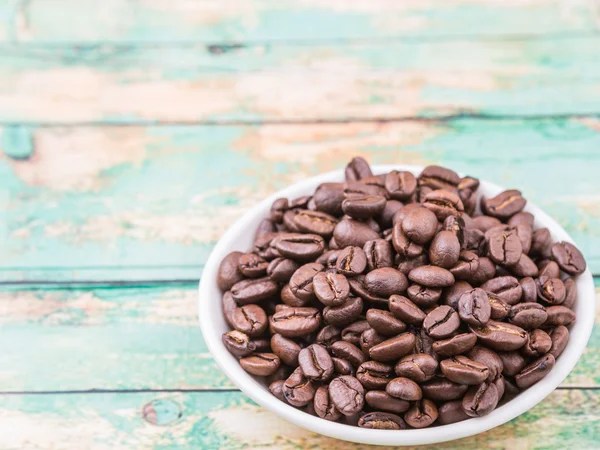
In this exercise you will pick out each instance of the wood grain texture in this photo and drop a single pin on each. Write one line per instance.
(229, 420)
(277, 82)
(131, 339)
(148, 203)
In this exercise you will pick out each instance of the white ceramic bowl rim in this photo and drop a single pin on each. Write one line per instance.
(212, 324)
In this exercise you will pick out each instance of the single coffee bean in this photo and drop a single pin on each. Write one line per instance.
(378, 253)
(406, 310)
(423, 297)
(329, 258)
(538, 344)
(347, 394)
(524, 218)
(466, 192)
(385, 282)
(512, 363)
(353, 331)
(535, 371)
(278, 209)
(528, 315)
(529, 290)
(298, 390)
(265, 246)
(548, 269)
(332, 289)
(541, 243)
(442, 390)
(382, 421)
(351, 261)
(349, 352)
(408, 264)
(419, 225)
(355, 189)
(467, 265)
(350, 232)
(474, 307)
(451, 295)
(249, 319)
(286, 349)
(462, 370)
(324, 406)
(263, 345)
(394, 348)
(401, 185)
(381, 400)
(296, 322)
(504, 205)
(525, 233)
(499, 308)
(525, 267)
(276, 388)
(357, 288)
(444, 250)
(384, 322)
(301, 283)
(431, 276)
(260, 364)
(252, 265)
(229, 307)
(437, 177)
(357, 169)
(328, 198)
(403, 244)
(374, 375)
(228, 273)
(315, 362)
(551, 290)
(281, 269)
(560, 338)
(571, 293)
(568, 257)
(300, 247)
(404, 389)
(504, 247)
(443, 203)
(486, 223)
(315, 222)
(480, 400)
(363, 206)
(501, 336)
(485, 272)
(489, 358)
(344, 314)
(418, 367)
(451, 412)
(441, 322)
(559, 315)
(386, 217)
(424, 344)
(456, 225)
(506, 287)
(456, 345)
(254, 290)
(422, 414)
(328, 335)
(238, 343)
(300, 202)
(290, 299)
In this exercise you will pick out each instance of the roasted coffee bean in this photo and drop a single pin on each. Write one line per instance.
(521, 218)
(541, 243)
(501, 336)
(315, 222)
(506, 288)
(229, 307)
(571, 293)
(462, 370)
(401, 213)
(423, 297)
(548, 269)
(467, 265)
(489, 358)
(525, 233)
(431, 276)
(441, 322)
(252, 266)
(443, 203)
(404, 389)
(403, 245)
(469, 199)
(538, 344)
(262, 344)
(512, 363)
(418, 367)
(529, 290)
(278, 209)
(386, 217)
(424, 344)
(328, 335)
(260, 364)
(559, 315)
(238, 343)
(422, 414)
(300, 202)
(535, 371)
(342, 366)
(456, 225)
(527, 315)
(456, 345)
(353, 232)
(353, 331)
(394, 348)
(444, 250)
(228, 273)
(451, 295)
(560, 338)
(384, 322)
(296, 322)
(347, 394)
(249, 319)
(286, 349)
(329, 259)
(301, 283)
(474, 307)
(408, 264)
(357, 288)
(378, 253)
(265, 246)
(332, 289)
(328, 198)
(382, 421)
(504, 205)
(401, 185)
(385, 282)
(499, 308)
(442, 389)
(264, 228)
(344, 314)
(437, 177)
(351, 261)
(551, 290)
(419, 225)
(315, 362)
(324, 406)
(406, 310)
(504, 247)
(290, 299)
(382, 401)
(357, 169)
(298, 390)
(363, 206)
(300, 247)
(485, 272)
(451, 412)
(568, 257)
(348, 351)
(525, 267)
(374, 375)
(276, 388)
(281, 269)
(480, 400)
(485, 223)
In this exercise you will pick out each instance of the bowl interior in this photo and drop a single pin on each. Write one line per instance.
(240, 236)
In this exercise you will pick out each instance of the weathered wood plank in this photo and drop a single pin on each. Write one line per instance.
(567, 418)
(149, 21)
(128, 84)
(148, 203)
(131, 338)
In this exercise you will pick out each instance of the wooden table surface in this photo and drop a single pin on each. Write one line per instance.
(133, 133)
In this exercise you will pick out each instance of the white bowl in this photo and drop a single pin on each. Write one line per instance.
(239, 237)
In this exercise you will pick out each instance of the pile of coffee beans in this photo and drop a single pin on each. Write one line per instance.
(393, 301)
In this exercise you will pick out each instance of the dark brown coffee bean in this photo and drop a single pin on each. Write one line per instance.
(485, 271)
(250, 319)
(442, 389)
(568, 257)
(406, 310)
(324, 406)
(344, 314)
(525, 233)
(571, 293)
(431, 276)
(351, 261)
(499, 308)
(529, 290)
(441, 322)
(229, 307)
(456, 225)
(353, 232)
(328, 335)
(238, 343)
(489, 358)
(281, 269)
(504, 205)
(406, 265)
(252, 266)
(451, 412)
(300, 202)
(363, 206)
(551, 290)
(298, 390)
(385, 282)
(260, 364)
(357, 288)
(296, 322)
(444, 250)
(278, 209)
(474, 307)
(347, 394)
(541, 243)
(276, 388)
(348, 351)
(462, 370)
(381, 421)
(535, 371)
(422, 414)
(403, 245)
(263, 345)
(386, 217)
(418, 367)
(374, 375)
(560, 338)
(404, 389)
(381, 400)
(456, 345)
(419, 225)
(228, 273)
(501, 336)
(394, 348)
(548, 269)
(559, 315)
(525, 267)
(342, 366)
(506, 288)
(467, 265)
(538, 344)
(528, 315)
(315, 362)
(451, 295)
(512, 363)
(300, 247)
(289, 224)
(290, 299)
(332, 289)
(264, 228)
(443, 203)
(357, 169)
(315, 222)
(265, 246)
(466, 192)
(423, 297)
(384, 322)
(480, 400)
(286, 349)
(521, 218)
(486, 223)
(379, 254)
(437, 177)
(301, 283)
(401, 185)
(353, 331)
(504, 246)
(328, 198)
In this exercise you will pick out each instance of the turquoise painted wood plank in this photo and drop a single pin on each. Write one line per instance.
(144, 203)
(128, 84)
(566, 419)
(83, 338)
